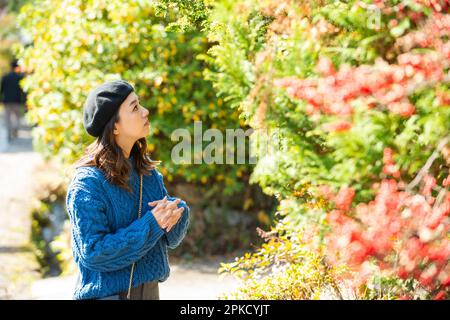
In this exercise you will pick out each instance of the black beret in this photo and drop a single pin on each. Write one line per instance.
(102, 103)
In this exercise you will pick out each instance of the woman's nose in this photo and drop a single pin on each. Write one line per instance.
(146, 112)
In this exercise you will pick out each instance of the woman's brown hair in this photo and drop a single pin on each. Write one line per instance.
(105, 154)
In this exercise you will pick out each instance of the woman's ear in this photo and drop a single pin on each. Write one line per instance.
(115, 131)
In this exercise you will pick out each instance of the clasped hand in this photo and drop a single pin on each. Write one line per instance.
(166, 212)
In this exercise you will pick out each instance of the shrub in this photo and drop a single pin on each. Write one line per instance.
(284, 268)
(95, 41)
(358, 93)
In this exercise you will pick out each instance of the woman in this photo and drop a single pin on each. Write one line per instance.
(120, 249)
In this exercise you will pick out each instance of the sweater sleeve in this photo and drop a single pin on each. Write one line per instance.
(98, 248)
(178, 231)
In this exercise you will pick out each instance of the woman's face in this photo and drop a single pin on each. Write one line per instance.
(133, 123)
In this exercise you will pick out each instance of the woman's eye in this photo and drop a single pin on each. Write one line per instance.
(135, 108)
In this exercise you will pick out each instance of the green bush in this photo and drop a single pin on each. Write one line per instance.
(287, 267)
(357, 93)
(95, 41)
(259, 42)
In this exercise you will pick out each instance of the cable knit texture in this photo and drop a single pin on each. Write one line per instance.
(107, 236)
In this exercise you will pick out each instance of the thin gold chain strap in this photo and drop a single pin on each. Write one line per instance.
(139, 216)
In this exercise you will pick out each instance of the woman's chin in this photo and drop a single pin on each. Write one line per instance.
(146, 133)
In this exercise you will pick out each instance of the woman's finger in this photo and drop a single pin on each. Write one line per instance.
(180, 209)
(153, 203)
(170, 225)
(163, 205)
(171, 206)
(164, 200)
(176, 202)
(169, 213)
(174, 218)
(176, 214)
(160, 207)
(166, 220)
(156, 211)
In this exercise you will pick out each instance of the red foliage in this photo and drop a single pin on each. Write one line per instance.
(446, 182)
(385, 84)
(390, 167)
(403, 232)
(344, 198)
(399, 231)
(440, 296)
(436, 5)
(339, 126)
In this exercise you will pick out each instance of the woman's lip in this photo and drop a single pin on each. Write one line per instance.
(146, 123)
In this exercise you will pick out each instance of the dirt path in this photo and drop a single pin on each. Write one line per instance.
(18, 266)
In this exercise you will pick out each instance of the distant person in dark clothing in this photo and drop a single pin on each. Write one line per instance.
(13, 97)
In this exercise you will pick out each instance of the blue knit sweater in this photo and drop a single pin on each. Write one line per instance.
(107, 236)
